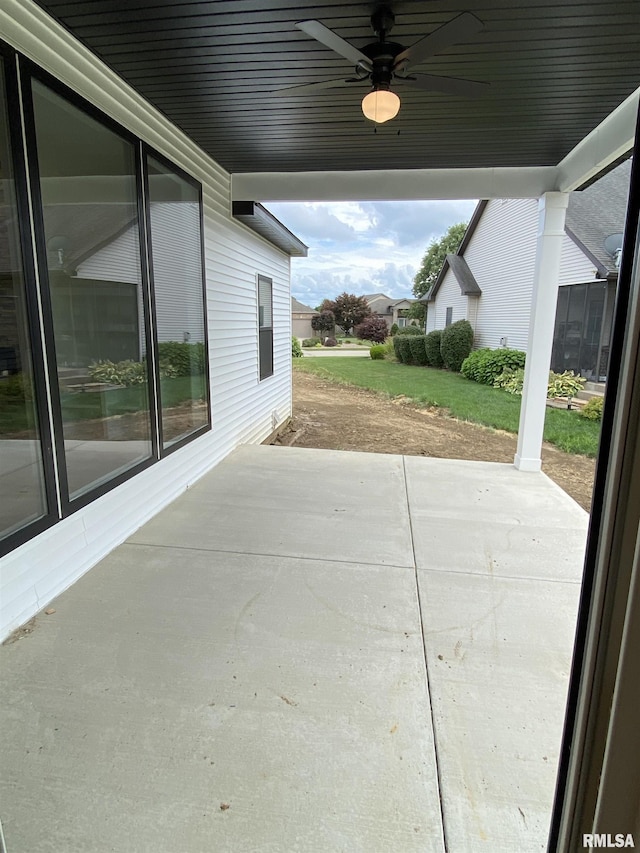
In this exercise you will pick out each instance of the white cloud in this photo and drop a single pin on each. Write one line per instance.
(363, 247)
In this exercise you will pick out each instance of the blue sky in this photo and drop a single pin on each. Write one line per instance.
(363, 247)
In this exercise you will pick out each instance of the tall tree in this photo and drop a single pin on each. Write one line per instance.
(435, 256)
(350, 310)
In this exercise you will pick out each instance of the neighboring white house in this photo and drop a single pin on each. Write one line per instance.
(489, 281)
(391, 310)
(137, 246)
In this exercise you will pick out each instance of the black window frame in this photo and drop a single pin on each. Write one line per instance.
(29, 72)
(265, 334)
(19, 537)
(146, 152)
(20, 72)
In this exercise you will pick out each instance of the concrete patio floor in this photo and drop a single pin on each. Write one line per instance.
(308, 651)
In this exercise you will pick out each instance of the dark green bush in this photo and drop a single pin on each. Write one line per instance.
(456, 343)
(396, 347)
(377, 351)
(394, 329)
(593, 410)
(296, 349)
(403, 351)
(187, 359)
(409, 330)
(432, 348)
(416, 347)
(311, 342)
(486, 365)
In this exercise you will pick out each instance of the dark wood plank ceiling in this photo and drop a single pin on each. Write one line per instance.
(556, 69)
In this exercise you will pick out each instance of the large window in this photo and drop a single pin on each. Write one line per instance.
(265, 326)
(103, 341)
(176, 263)
(24, 496)
(89, 197)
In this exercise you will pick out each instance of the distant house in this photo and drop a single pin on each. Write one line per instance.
(391, 310)
(301, 319)
(489, 281)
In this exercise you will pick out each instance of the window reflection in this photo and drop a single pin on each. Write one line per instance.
(176, 250)
(90, 212)
(21, 467)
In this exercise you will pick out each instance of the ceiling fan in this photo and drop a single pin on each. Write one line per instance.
(383, 62)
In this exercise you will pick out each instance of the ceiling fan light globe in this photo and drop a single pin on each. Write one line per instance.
(380, 105)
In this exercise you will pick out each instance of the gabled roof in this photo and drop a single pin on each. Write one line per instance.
(592, 215)
(300, 307)
(465, 278)
(596, 213)
(471, 227)
(386, 303)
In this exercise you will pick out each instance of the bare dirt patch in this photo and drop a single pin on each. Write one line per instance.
(338, 417)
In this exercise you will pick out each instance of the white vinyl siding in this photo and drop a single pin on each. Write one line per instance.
(501, 255)
(448, 296)
(575, 266)
(243, 410)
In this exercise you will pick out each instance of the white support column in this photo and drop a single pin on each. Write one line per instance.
(552, 208)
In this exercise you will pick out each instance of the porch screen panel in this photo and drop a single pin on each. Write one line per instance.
(176, 252)
(88, 188)
(21, 461)
(265, 325)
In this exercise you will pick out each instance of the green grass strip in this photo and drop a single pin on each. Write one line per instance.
(459, 397)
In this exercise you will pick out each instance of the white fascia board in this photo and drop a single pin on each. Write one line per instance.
(607, 143)
(399, 184)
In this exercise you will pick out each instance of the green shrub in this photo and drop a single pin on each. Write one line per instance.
(403, 351)
(377, 351)
(593, 410)
(125, 373)
(485, 365)
(394, 329)
(17, 388)
(456, 343)
(188, 359)
(432, 343)
(296, 349)
(511, 380)
(395, 341)
(409, 330)
(416, 347)
(311, 342)
(565, 384)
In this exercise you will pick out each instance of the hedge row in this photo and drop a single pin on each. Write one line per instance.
(446, 348)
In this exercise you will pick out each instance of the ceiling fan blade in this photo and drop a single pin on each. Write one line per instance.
(330, 39)
(310, 88)
(453, 32)
(447, 85)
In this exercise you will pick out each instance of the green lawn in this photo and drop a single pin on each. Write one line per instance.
(461, 398)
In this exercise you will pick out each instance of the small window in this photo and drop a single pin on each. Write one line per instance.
(449, 318)
(265, 326)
